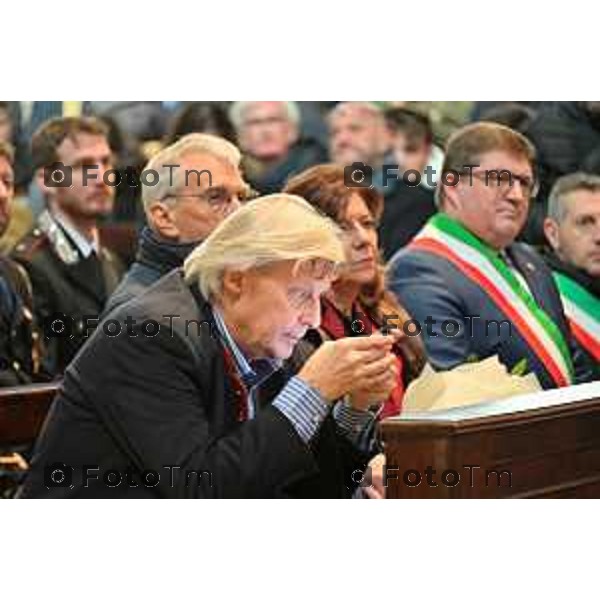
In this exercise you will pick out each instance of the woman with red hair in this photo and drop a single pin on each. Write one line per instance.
(357, 303)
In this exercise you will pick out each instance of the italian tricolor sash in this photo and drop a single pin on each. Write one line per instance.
(583, 311)
(446, 238)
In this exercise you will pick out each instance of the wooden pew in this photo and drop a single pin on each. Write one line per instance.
(544, 445)
(22, 413)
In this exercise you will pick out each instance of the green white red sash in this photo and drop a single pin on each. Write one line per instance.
(583, 311)
(445, 237)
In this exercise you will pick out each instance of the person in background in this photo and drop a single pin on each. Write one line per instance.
(181, 211)
(200, 117)
(412, 200)
(358, 133)
(572, 229)
(21, 214)
(412, 143)
(268, 135)
(19, 340)
(357, 303)
(71, 271)
(566, 136)
(515, 115)
(140, 120)
(129, 163)
(27, 118)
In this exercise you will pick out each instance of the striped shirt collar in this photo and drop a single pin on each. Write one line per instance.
(252, 372)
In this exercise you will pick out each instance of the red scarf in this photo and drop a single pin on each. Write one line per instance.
(240, 391)
(332, 323)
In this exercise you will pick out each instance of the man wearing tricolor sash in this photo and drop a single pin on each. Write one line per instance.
(572, 229)
(473, 291)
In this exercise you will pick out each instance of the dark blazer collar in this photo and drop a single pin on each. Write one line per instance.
(526, 265)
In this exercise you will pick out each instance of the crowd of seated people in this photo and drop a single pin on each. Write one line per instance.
(292, 260)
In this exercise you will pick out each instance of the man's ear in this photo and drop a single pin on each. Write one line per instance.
(233, 284)
(451, 193)
(551, 233)
(160, 218)
(48, 192)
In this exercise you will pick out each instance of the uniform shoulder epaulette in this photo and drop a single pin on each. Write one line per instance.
(32, 243)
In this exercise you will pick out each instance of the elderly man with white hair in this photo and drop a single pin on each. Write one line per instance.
(269, 136)
(183, 204)
(174, 396)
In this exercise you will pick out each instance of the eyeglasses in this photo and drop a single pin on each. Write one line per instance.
(504, 179)
(220, 198)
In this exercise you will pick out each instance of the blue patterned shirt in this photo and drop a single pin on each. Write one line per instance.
(303, 405)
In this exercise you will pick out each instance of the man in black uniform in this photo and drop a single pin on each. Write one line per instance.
(72, 274)
(18, 342)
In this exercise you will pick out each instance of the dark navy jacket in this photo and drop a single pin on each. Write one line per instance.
(155, 258)
(431, 287)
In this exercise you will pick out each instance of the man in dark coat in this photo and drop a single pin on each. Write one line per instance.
(181, 211)
(71, 271)
(183, 402)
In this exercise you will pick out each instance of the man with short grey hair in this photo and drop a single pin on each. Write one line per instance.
(269, 136)
(572, 229)
(197, 184)
(358, 133)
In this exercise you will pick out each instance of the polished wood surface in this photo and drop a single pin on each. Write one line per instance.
(22, 412)
(548, 442)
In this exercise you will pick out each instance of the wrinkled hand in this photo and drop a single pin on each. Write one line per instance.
(351, 366)
(377, 390)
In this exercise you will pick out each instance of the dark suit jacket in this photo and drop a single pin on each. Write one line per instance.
(150, 402)
(405, 210)
(76, 290)
(430, 286)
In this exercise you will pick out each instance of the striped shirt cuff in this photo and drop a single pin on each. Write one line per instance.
(354, 423)
(303, 406)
